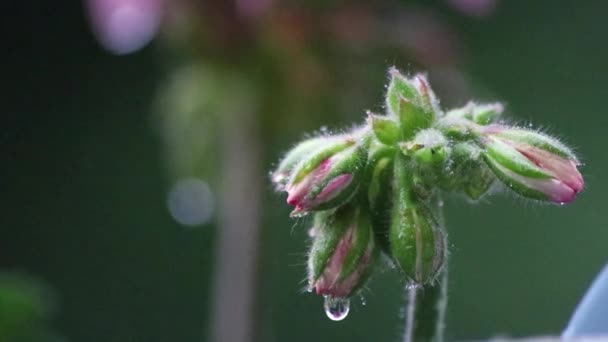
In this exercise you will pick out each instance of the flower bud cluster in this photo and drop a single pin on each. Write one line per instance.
(376, 190)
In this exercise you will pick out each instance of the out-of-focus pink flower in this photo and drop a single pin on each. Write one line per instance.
(253, 8)
(475, 8)
(424, 37)
(124, 26)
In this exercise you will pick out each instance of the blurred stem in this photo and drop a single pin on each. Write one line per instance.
(236, 256)
(425, 315)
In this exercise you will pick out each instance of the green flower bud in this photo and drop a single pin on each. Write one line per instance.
(429, 147)
(417, 242)
(379, 192)
(480, 113)
(343, 251)
(412, 102)
(467, 172)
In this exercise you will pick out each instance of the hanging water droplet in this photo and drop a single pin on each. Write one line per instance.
(336, 308)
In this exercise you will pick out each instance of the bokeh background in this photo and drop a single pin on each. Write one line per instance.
(135, 198)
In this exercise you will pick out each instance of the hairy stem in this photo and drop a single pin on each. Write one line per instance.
(425, 314)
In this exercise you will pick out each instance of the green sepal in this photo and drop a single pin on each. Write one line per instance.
(414, 232)
(485, 114)
(295, 155)
(399, 88)
(537, 139)
(467, 171)
(511, 159)
(413, 105)
(380, 200)
(362, 238)
(351, 161)
(481, 114)
(511, 182)
(386, 130)
(307, 165)
(329, 226)
(479, 181)
(413, 118)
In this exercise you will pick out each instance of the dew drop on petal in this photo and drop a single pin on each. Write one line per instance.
(336, 308)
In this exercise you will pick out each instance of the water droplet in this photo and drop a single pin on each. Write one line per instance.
(440, 204)
(336, 308)
(312, 232)
(297, 214)
(412, 285)
(363, 301)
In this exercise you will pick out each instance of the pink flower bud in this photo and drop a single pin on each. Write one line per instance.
(533, 164)
(342, 252)
(326, 180)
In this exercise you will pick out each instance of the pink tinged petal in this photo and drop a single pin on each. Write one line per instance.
(334, 188)
(125, 26)
(329, 283)
(326, 284)
(555, 190)
(297, 192)
(563, 169)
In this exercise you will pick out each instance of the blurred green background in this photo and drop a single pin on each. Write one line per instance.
(92, 143)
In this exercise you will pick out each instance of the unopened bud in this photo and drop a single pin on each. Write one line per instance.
(480, 113)
(532, 164)
(328, 177)
(411, 101)
(379, 191)
(342, 253)
(429, 147)
(417, 242)
(467, 171)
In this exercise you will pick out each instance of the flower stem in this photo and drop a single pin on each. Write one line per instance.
(425, 314)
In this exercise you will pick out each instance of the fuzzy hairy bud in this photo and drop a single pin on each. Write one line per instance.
(412, 102)
(329, 176)
(532, 164)
(417, 241)
(343, 251)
